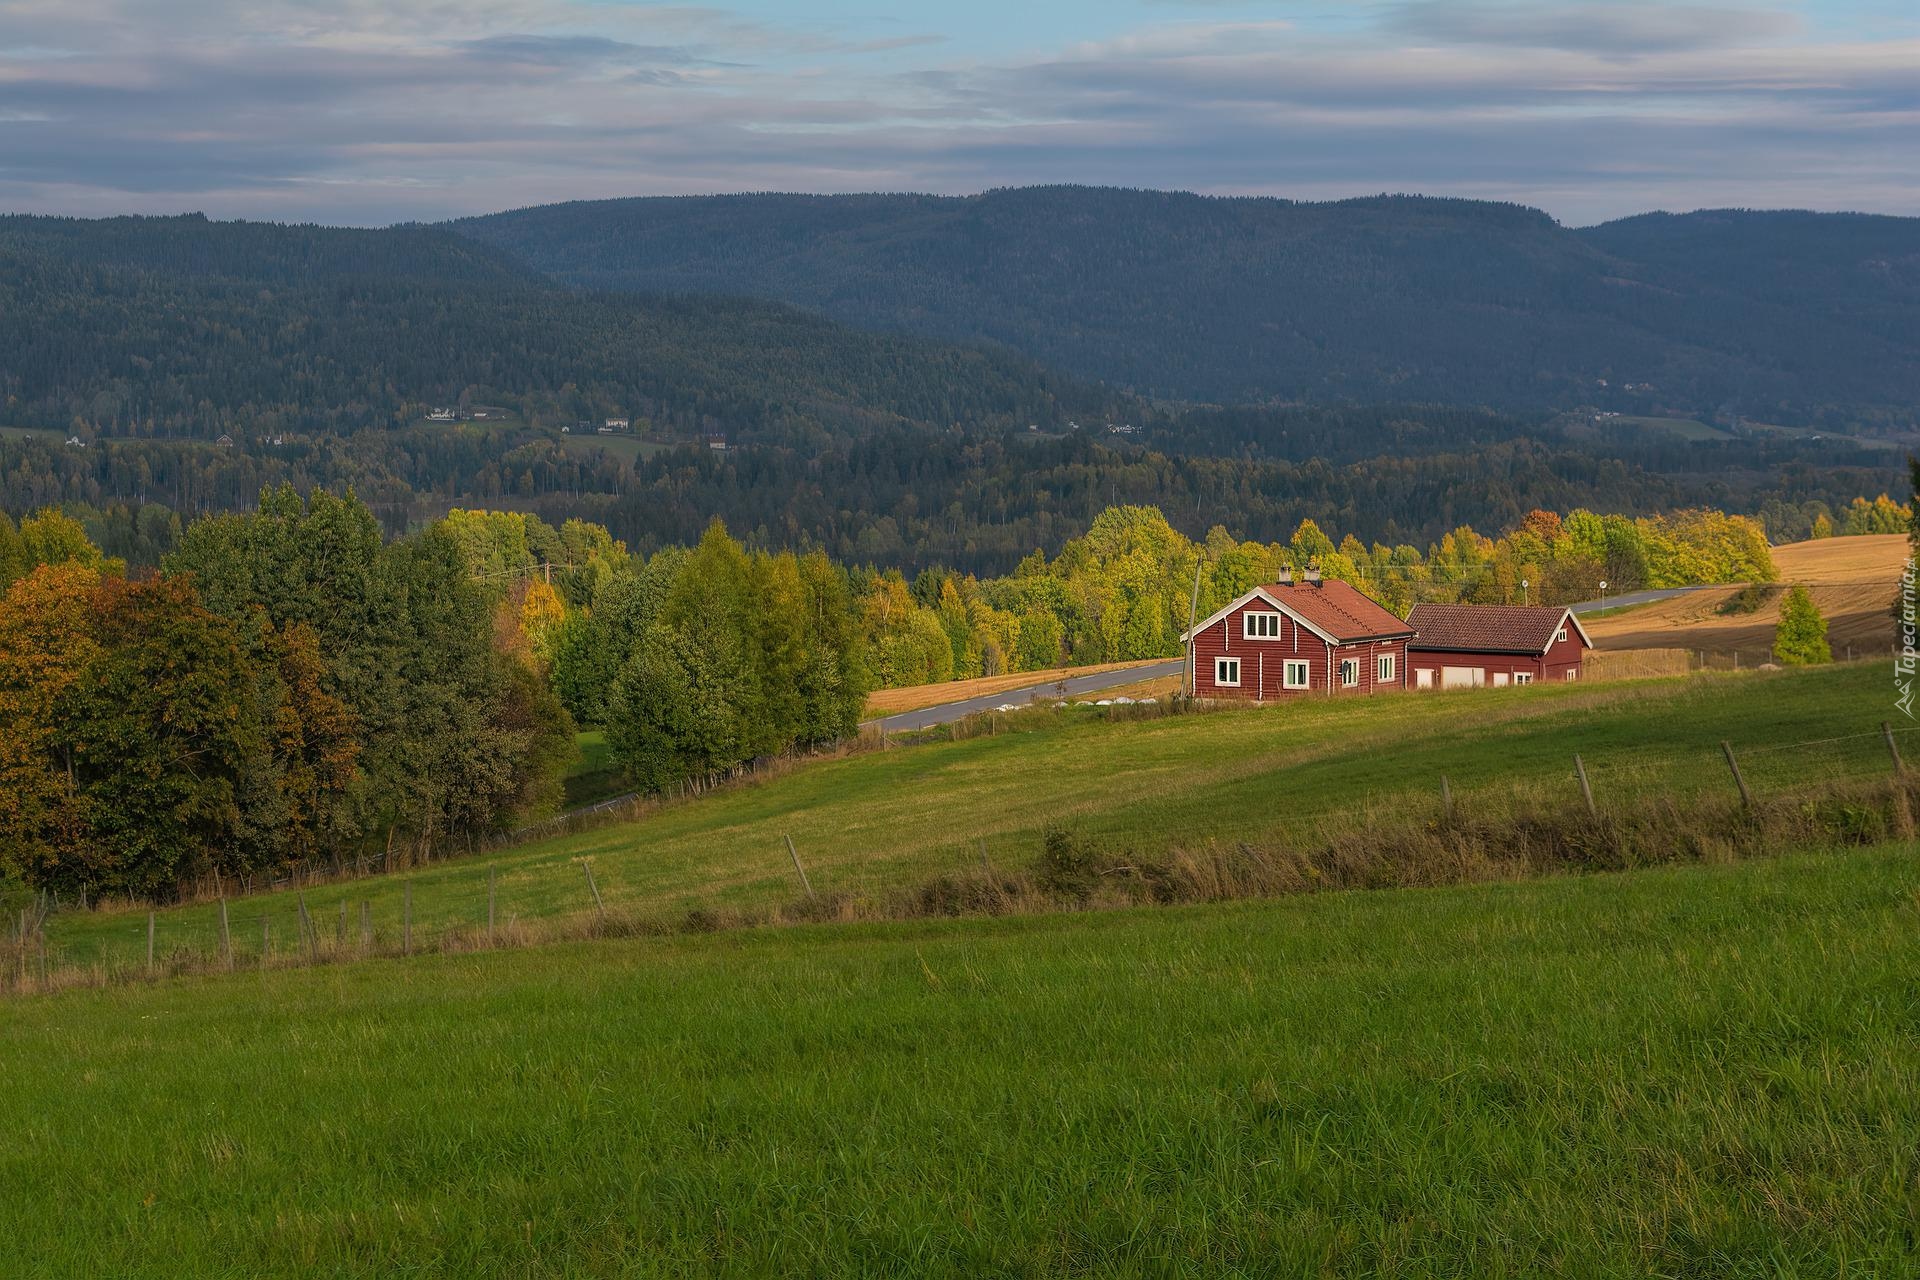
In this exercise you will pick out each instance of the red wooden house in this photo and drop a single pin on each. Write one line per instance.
(1292, 640)
(1467, 645)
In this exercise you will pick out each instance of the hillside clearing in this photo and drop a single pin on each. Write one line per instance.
(1689, 1071)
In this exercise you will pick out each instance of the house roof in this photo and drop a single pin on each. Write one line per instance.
(1490, 628)
(1332, 610)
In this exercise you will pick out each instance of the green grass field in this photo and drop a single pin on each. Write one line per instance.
(1691, 429)
(871, 823)
(1695, 1071)
(594, 776)
(627, 448)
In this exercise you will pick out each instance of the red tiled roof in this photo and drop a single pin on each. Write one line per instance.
(1338, 609)
(1485, 628)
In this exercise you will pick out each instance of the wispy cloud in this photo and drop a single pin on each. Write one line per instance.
(357, 110)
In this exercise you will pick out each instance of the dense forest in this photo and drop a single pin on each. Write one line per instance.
(185, 327)
(1788, 317)
(911, 497)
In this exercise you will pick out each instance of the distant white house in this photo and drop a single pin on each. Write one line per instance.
(76, 442)
(618, 424)
(442, 415)
(224, 442)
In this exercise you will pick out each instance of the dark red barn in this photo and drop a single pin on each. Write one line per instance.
(1291, 640)
(1468, 645)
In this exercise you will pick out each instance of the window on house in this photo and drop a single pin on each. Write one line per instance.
(1573, 673)
(1294, 675)
(1385, 667)
(1560, 636)
(1349, 672)
(1260, 626)
(1226, 672)
(1523, 677)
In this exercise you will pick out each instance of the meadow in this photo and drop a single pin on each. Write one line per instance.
(870, 823)
(1686, 1071)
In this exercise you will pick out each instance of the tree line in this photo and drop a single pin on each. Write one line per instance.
(288, 685)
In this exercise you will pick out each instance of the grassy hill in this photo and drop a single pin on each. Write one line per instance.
(1686, 1072)
(1247, 298)
(879, 823)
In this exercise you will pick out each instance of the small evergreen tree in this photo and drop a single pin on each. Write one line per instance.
(1801, 638)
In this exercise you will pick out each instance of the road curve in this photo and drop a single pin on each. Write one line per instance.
(947, 712)
(1633, 597)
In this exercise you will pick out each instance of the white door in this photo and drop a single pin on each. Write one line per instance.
(1423, 677)
(1499, 679)
(1459, 677)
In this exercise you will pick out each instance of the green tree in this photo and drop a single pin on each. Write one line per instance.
(1801, 638)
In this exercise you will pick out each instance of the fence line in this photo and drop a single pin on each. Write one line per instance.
(35, 965)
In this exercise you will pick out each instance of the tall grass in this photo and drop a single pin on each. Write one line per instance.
(1696, 1071)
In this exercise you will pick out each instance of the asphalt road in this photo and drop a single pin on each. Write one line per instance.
(1632, 597)
(947, 712)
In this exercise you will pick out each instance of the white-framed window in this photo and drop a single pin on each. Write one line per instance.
(1226, 672)
(1385, 667)
(1573, 673)
(1349, 673)
(1560, 636)
(1260, 626)
(1293, 675)
(1523, 677)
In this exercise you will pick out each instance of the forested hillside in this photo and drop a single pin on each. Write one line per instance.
(909, 496)
(181, 326)
(1797, 317)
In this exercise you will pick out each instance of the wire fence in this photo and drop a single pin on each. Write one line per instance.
(307, 925)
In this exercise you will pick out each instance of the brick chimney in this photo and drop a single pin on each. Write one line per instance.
(1312, 576)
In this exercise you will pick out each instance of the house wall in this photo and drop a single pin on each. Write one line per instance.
(1261, 661)
(1561, 657)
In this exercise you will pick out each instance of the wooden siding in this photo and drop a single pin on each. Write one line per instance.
(1262, 673)
(1561, 657)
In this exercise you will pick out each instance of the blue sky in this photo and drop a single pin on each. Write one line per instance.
(370, 111)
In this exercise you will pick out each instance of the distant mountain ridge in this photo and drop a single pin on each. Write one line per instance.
(1793, 317)
(183, 326)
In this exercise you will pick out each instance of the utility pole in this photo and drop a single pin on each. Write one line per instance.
(1193, 616)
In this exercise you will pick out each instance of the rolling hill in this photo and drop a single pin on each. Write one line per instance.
(1771, 316)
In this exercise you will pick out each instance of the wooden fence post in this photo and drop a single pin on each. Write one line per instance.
(149, 939)
(306, 928)
(1746, 796)
(491, 875)
(226, 937)
(366, 925)
(1893, 749)
(406, 917)
(1446, 798)
(598, 905)
(1586, 789)
(800, 870)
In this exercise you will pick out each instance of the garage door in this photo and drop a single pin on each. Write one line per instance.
(1459, 677)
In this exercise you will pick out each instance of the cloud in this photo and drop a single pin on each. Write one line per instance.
(1627, 28)
(364, 111)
